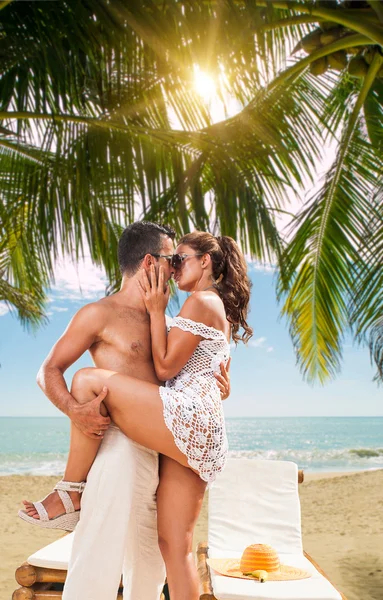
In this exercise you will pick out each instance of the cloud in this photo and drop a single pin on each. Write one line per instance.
(3, 309)
(59, 308)
(77, 281)
(258, 343)
(255, 265)
(261, 343)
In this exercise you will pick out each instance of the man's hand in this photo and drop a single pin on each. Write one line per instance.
(88, 419)
(223, 379)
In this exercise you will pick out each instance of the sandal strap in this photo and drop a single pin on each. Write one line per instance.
(41, 511)
(70, 486)
(67, 501)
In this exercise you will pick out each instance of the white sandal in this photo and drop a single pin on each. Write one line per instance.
(66, 521)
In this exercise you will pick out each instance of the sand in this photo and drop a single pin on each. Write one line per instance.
(342, 522)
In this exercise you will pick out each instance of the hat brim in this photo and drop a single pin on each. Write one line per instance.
(230, 568)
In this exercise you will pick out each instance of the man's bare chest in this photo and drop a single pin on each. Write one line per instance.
(126, 333)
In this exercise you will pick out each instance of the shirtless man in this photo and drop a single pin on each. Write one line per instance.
(117, 532)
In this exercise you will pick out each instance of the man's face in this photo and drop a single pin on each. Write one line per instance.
(167, 249)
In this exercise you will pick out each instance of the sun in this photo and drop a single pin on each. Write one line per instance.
(204, 85)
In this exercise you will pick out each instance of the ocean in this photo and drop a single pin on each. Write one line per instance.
(38, 445)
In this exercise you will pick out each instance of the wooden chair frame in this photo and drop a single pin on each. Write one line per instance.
(42, 583)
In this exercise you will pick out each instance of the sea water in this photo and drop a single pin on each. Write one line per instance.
(39, 445)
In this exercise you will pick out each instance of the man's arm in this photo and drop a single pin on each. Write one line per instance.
(79, 336)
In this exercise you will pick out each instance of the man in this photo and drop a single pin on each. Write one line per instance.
(117, 531)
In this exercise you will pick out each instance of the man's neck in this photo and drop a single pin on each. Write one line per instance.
(130, 292)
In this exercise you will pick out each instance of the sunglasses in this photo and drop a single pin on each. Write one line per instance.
(178, 259)
(175, 260)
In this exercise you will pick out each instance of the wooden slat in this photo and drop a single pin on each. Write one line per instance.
(23, 593)
(206, 588)
(30, 593)
(26, 575)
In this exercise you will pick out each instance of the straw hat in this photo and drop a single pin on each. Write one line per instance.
(257, 557)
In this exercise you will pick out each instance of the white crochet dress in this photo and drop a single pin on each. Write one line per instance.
(192, 401)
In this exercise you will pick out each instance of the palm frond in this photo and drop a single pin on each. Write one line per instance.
(366, 302)
(28, 305)
(316, 279)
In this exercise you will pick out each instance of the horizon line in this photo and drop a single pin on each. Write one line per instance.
(228, 417)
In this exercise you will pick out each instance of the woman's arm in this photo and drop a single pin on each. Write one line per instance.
(170, 352)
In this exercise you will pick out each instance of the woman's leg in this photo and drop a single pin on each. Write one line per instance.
(82, 452)
(179, 500)
(136, 408)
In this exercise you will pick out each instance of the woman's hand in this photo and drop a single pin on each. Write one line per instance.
(223, 380)
(155, 293)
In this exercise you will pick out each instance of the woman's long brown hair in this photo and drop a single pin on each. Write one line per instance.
(230, 275)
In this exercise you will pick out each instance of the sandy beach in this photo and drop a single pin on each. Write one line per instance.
(342, 520)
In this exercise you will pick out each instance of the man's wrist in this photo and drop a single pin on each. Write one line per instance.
(72, 407)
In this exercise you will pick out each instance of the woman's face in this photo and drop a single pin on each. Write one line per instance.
(190, 271)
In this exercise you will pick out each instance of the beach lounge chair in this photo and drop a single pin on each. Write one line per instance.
(257, 502)
(43, 575)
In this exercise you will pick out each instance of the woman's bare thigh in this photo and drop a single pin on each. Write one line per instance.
(136, 408)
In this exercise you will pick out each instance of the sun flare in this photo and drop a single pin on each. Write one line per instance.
(204, 85)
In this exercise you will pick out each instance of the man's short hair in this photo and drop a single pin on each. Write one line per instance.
(139, 239)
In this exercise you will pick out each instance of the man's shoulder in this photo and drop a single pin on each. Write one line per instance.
(94, 310)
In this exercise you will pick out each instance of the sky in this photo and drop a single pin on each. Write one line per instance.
(265, 379)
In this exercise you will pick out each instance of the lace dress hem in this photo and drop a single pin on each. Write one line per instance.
(198, 465)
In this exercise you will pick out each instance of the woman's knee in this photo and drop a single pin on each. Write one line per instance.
(81, 388)
(175, 545)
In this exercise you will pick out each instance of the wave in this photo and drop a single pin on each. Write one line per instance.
(33, 464)
(319, 458)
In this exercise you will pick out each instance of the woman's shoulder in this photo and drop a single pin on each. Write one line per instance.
(204, 308)
(205, 304)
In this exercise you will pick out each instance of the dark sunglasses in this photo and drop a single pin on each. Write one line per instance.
(178, 259)
(169, 257)
(175, 260)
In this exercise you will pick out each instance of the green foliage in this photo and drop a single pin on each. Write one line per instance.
(89, 93)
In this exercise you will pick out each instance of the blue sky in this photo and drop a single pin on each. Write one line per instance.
(265, 379)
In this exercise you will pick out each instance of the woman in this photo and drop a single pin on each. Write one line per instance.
(183, 420)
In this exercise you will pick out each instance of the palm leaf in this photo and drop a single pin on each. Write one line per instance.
(366, 303)
(316, 279)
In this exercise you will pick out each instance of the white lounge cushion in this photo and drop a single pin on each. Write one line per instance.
(257, 502)
(55, 555)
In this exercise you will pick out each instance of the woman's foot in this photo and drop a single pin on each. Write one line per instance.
(59, 510)
(52, 504)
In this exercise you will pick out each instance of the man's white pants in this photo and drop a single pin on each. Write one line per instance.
(117, 531)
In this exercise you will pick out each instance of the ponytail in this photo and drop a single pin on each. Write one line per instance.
(230, 275)
(234, 287)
